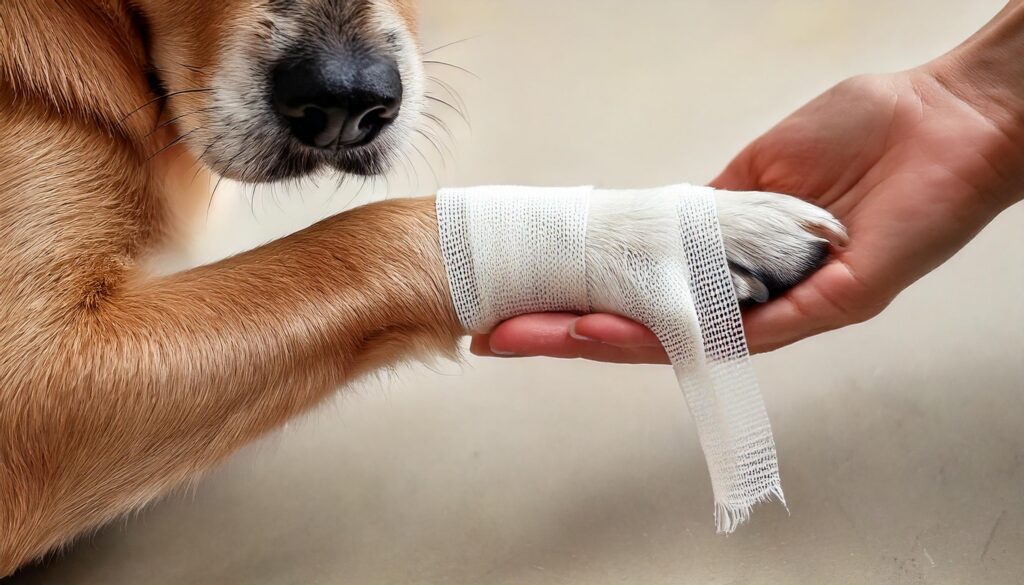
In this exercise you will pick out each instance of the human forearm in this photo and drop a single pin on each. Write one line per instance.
(987, 72)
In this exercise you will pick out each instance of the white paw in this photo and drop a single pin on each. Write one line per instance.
(773, 241)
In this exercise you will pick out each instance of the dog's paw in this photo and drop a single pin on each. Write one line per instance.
(773, 241)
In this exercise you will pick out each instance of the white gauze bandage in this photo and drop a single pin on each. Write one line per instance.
(655, 256)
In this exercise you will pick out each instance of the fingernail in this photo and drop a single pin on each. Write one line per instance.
(573, 334)
(502, 353)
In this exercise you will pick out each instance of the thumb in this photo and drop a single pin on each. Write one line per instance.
(830, 299)
(738, 174)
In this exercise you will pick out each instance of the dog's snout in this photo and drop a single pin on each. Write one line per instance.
(338, 101)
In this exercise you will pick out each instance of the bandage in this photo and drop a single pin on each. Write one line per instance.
(655, 256)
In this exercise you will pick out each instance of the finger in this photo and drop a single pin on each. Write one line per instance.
(549, 335)
(540, 334)
(593, 351)
(613, 330)
(777, 325)
(828, 300)
(481, 345)
(738, 174)
(602, 352)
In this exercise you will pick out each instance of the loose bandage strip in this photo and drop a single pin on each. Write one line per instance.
(655, 256)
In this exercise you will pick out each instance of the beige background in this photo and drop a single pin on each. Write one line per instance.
(902, 441)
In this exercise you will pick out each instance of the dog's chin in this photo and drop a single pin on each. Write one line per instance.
(291, 163)
(364, 165)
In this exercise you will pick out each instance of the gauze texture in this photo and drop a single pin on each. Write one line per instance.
(655, 256)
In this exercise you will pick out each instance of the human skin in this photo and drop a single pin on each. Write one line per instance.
(915, 163)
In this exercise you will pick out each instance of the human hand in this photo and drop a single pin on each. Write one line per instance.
(915, 164)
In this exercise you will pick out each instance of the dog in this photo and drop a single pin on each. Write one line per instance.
(117, 385)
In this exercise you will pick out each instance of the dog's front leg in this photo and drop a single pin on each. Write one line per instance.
(144, 384)
(153, 382)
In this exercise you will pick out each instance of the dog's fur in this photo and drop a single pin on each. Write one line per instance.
(116, 386)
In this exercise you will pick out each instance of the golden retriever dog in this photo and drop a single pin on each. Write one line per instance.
(116, 385)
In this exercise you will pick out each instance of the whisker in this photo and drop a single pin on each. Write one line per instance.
(212, 195)
(172, 143)
(373, 184)
(176, 118)
(450, 90)
(209, 145)
(252, 201)
(430, 167)
(298, 189)
(232, 160)
(404, 161)
(441, 124)
(362, 185)
(415, 171)
(387, 186)
(163, 97)
(338, 186)
(191, 68)
(433, 142)
(453, 66)
(453, 43)
(450, 106)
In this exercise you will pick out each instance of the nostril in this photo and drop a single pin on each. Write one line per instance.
(373, 119)
(315, 126)
(364, 127)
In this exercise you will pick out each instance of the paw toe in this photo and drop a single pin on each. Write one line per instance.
(778, 279)
(774, 241)
(749, 287)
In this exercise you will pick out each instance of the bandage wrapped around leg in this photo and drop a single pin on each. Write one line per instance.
(655, 256)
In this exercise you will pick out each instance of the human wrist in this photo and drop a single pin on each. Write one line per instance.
(986, 73)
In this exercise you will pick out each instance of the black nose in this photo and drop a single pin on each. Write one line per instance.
(344, 100)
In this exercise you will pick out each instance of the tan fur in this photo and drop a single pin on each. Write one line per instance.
(115, 387)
